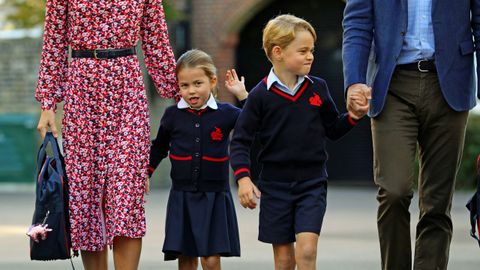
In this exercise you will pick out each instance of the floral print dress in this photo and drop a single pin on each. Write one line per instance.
(106, 121)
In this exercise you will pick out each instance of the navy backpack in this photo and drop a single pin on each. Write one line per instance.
(473, 206)
(51, 205)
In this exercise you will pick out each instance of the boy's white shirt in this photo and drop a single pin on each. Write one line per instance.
(182, 104)
(273, 78)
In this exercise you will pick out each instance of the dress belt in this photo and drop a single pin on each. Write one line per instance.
(104, 53)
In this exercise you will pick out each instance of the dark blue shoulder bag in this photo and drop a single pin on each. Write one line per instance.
(51, 205)
(473, 206)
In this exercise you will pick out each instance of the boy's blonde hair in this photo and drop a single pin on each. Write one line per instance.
(281, 30)
(197, 59)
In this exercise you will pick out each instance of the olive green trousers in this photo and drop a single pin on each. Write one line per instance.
(416, 116)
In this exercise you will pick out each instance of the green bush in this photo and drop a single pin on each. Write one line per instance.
(31, 13)
(466, 176)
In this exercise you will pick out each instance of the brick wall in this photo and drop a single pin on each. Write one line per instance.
(215, 26)
(19, 60)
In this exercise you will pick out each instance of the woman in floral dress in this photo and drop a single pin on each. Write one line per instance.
(106, 122)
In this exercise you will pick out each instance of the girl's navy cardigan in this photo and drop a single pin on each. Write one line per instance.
(197, 144)
(292, 131)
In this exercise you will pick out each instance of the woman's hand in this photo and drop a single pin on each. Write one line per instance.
(47, 121)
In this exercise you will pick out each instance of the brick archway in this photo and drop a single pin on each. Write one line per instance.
(215, 28)
(230, 30)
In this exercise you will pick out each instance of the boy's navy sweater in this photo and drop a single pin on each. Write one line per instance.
(292, 131)
(198, 145)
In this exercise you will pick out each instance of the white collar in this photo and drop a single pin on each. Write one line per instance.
(273, 78)
(182, 104)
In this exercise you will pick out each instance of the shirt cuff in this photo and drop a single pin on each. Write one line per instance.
(240, 173)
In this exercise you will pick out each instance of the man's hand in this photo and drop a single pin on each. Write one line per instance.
(358, 97)
(247, 192)
(47, 121)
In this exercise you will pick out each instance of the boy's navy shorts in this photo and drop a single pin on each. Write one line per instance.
(288, 208)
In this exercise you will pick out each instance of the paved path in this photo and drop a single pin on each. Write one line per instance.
(348, 241)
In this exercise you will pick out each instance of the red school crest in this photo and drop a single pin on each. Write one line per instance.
(217, 134)
(315, 100)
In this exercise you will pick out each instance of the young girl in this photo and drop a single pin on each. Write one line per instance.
(201, 219)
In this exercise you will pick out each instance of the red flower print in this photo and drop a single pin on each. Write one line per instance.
(217, 134)
(315, 100)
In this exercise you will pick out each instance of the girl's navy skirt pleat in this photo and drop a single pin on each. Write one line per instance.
(201, 224)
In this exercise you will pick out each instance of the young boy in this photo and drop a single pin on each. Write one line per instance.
(292, 114)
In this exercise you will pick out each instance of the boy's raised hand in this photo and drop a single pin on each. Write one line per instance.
(235, 85)
(247, 192)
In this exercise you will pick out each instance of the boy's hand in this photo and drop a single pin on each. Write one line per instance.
(358, 97)
(361, 105)
(247, 192)
(236, 86)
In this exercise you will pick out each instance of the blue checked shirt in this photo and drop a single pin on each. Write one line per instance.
(419, 41)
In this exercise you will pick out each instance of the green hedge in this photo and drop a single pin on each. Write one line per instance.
(466, 175)
(466, 178)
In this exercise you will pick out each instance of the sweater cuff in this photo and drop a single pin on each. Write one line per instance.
(242, 103)
(352, 121)
(240, 173)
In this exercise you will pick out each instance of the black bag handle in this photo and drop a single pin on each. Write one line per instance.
(49, 138)
(43, 160)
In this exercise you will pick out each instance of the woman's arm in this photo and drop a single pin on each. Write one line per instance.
(54, 63)
(159, 57)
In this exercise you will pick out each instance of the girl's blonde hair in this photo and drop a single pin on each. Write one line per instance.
(197, 59)
(281, 30)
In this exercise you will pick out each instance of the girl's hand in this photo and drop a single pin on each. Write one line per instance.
(147, 186)
(47, 121)
(247, 192)
(236, 86)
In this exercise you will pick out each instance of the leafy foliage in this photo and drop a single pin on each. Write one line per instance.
(25, 13)
(467, 175)
(31, 13)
